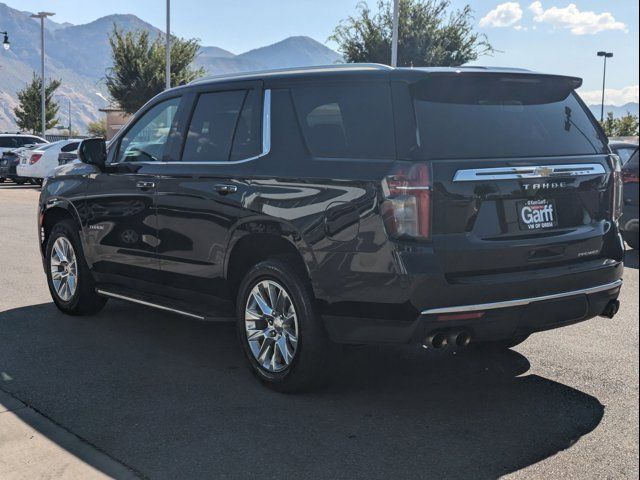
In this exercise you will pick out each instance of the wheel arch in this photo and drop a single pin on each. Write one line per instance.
(254, 241)
(54, 213)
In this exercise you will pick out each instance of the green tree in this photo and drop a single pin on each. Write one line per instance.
(427, 34)
(626, 126)
(98, 128)
(29, 110)
(138, 71)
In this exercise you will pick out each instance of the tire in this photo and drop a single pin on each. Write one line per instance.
(64, 254)
(310, 352)
(2, 179)
(19, 181)
(632, 239)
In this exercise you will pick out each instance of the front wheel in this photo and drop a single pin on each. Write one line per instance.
(281, 335)
(70, 282)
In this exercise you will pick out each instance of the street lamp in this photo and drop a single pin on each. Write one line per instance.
(6, 43)
(69, 103)
(604, 78)
(42, 16)
(394, 34)
(167, 49)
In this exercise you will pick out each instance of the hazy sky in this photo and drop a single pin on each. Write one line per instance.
(556, 36)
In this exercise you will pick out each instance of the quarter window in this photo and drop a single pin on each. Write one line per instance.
(146, 140)
(347, 120)
(224, 126)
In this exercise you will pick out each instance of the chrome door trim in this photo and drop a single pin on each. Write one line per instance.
(148, 304)
(521, 301)
(534, 171)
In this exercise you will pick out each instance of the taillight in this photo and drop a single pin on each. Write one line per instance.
(406, 209)
(629, 176)
(616, 197)
(34, 158)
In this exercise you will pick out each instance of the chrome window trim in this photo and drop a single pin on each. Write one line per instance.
(521, 301)
(534, 171)
(266, 142)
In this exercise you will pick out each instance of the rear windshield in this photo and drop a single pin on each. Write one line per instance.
(501, 116)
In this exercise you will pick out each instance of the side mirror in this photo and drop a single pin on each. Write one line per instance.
(93, 151)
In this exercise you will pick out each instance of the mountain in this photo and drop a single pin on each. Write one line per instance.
(618, 111)
(78, 55)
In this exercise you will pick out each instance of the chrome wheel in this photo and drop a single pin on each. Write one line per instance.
(271, 326)
(64, 269)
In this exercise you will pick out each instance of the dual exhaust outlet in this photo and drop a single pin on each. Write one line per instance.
(451, 338)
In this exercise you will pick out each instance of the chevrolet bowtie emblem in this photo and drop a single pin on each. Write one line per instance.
(543, 171)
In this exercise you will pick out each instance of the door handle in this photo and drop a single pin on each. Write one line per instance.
(142, 185)
(223, 189)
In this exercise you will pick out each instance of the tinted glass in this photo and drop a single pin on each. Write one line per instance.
(347, 120)
(216, 124)
(247, 140)
(497, 117)
(146, 139)
(624, 153)
(15, 142)
(71, 147)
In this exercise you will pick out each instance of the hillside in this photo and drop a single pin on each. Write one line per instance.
(618, 111)
(79, 55)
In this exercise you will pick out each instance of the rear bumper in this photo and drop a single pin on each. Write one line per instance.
(500, 320)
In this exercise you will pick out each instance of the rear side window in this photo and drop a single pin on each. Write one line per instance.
(15, 142)
(71, 147)
(494, 116)
(224, 126)
(346, 120)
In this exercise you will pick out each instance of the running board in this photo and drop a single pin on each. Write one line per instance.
(148, 304)
(521, 301)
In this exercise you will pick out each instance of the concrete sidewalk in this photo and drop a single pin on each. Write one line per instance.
(33, 447)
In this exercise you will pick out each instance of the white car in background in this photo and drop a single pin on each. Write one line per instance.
(11, 141)
(39, 163)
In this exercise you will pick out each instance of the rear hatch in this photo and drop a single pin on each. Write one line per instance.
(521, 176)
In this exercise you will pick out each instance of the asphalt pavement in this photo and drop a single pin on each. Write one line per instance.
(145, 393)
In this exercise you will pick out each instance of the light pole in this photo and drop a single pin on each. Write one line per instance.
(604, 79)
(69, 104)
(167, 52)
(5, 42)
(42, 16)
(394, 34)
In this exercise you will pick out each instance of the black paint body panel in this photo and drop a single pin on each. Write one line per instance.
(175, 240)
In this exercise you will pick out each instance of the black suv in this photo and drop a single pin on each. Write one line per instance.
(348, 204)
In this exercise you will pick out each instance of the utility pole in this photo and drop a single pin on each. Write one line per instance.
(42, 16)
(394, 34)
(604, 80)
(168, 48)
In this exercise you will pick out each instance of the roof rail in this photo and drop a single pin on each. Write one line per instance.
(275, 71)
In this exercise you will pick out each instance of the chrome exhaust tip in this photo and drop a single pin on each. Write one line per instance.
(436, 340)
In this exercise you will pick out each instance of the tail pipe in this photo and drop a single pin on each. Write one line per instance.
(453, 338)
(611, 309)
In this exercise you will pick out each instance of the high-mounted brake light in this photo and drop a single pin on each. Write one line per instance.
(34, 158)
(406, 210)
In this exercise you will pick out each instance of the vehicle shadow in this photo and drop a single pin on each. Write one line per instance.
(631, 258)
(171, 398)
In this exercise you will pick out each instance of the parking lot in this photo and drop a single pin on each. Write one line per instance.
(160, 396)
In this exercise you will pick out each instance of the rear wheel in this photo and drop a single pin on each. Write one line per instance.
(70, 282)
(281, 334)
